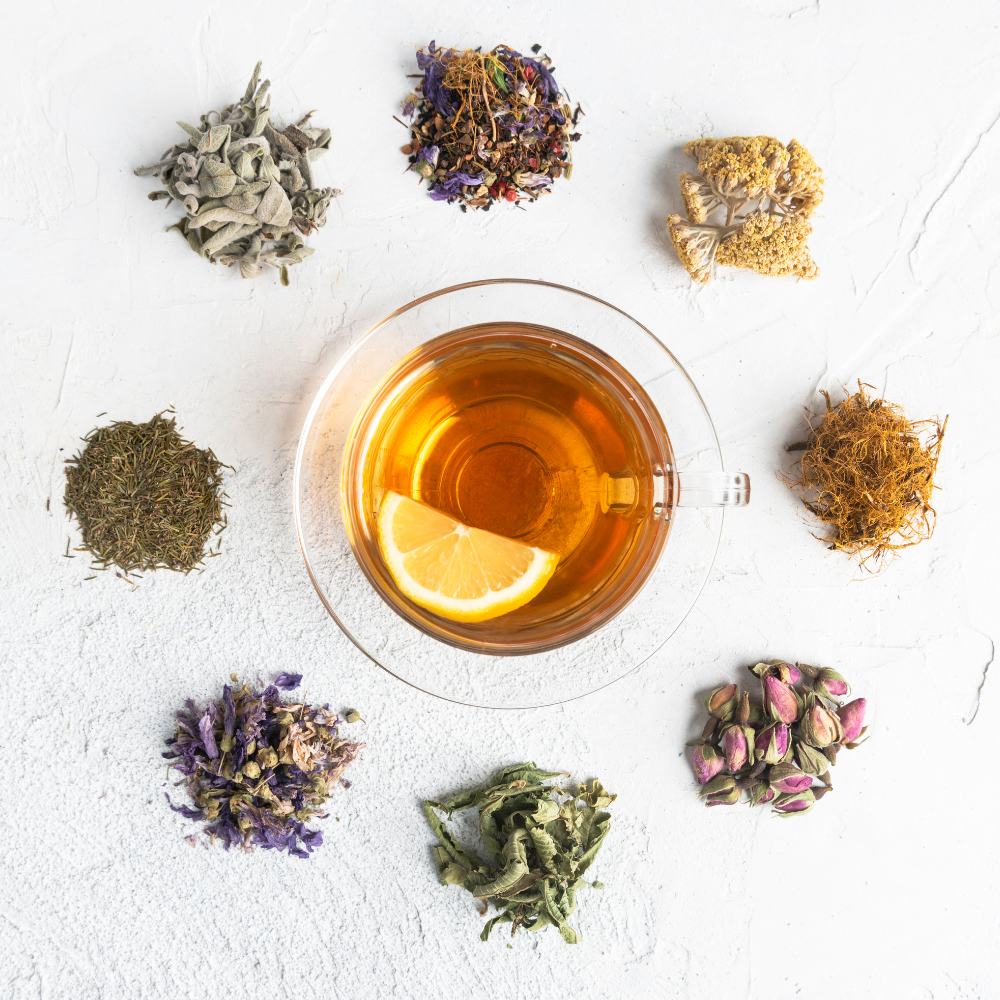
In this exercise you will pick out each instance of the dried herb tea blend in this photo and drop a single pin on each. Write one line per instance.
(258, 768)
(868, 474)
(488, 126)
(247, 188)
(540, 840)
(748, 206)
(144, 497)
(778, 749)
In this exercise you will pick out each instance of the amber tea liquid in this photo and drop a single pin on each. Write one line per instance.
(527, 433)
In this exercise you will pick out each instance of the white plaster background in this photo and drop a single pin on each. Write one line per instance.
(888, 889)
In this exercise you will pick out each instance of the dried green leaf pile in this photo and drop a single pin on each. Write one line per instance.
(541, 840)
(246, 187)
(145, 498)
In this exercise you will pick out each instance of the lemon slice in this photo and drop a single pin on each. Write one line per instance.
(461, 573)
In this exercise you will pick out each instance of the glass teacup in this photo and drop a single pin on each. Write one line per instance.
(531, 384)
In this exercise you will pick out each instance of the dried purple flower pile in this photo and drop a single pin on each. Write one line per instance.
(258, 768)
(775, 751)
(488, 126)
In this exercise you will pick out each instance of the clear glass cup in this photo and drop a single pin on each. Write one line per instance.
(534, 666)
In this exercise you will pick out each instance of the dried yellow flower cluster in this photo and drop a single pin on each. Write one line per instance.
(767, 190)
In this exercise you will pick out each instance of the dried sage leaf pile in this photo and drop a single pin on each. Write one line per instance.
(247, 188)
(540, 839)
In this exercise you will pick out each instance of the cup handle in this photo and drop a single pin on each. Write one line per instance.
(713, 489)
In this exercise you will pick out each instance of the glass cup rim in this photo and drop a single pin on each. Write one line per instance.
(345, 361)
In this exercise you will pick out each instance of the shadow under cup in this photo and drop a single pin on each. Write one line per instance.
(608, 462)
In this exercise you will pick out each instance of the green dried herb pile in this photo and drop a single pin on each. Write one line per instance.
(867, 472)
(247, 188)
(145, 498)
(541, 840)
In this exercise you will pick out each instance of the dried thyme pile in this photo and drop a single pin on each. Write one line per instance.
(748, 206)
(540, 839)
(488, 126)
(779, 750)
(259, 768)
(144, 497)
(867, 472)
(247, 188)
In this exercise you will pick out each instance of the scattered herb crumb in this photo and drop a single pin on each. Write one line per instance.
(540, 840)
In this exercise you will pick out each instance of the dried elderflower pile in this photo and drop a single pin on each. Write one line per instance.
(247, 188)
(488, 126)
(776, 750)
(144, 497)
(868, 474)
(540, 839)
(760, 194)
(259, 768)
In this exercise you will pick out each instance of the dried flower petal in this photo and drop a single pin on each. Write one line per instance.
(257, 768)
(287, 682)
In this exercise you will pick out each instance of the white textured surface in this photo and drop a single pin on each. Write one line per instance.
(887, 890)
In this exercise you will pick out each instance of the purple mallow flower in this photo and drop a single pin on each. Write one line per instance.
(287, 682)
(256, 772)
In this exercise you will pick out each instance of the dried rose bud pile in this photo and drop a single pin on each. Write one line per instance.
(766, 193)
(258, 768)
(488, 126)
(775, 751)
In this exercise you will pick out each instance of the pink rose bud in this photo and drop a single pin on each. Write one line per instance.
(721, 791)
(707, 763)
(830, 684)
(794, 803)
(780, 701)
(809, 759)
(771, 743)
(820, 727)
(736, 747)
(761, 793)
(852, 718)
(722, 702)
(788, 778)
(788, 673)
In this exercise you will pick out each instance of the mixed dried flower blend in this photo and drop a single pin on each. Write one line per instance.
(488, 126)
(868, 474)
(540, 838)
(776, 750)
(761, 195)
(246, 187)
(258, 768)
(144, 497)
